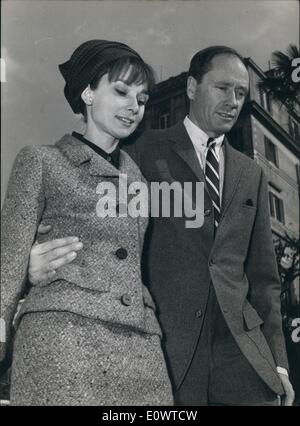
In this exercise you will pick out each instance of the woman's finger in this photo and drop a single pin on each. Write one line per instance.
(62, 261)
(44, 229)
(61, 252)
(54, 244)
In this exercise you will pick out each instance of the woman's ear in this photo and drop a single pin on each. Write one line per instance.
(87, 96)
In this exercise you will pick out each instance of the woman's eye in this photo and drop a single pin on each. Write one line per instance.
(121, 92)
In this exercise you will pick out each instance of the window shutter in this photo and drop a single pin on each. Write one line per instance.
(271, 204)
(281, 211)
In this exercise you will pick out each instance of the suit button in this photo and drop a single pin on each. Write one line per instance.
(121, 253)
(198, 313)
(108, 158)
(207, 212)
(126, 299)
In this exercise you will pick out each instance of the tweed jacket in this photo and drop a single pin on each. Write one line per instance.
(180, 263)
(57, 185)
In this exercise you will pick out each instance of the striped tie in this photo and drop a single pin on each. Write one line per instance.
(212, 179)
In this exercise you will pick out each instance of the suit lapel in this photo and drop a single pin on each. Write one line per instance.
(232, 175)
(185, 149)
(233, 168)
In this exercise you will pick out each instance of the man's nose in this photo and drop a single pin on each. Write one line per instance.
(232, 99)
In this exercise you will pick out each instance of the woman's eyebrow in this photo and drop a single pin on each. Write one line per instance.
(144, 91)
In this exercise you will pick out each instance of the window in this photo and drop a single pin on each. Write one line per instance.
(164, 121)
(294, 129)
(271, 151)
(276, 206)
(265, 100)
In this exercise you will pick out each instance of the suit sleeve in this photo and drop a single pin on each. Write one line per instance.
(262, 273)
(21, 213)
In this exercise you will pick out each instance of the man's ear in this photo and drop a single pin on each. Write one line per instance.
(191, 87)
(87, 96)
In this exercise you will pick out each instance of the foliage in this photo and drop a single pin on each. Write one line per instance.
(278, 82)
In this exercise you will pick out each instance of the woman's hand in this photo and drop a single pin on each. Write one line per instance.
(46, 257)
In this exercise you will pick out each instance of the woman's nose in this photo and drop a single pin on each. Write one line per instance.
(133, 105)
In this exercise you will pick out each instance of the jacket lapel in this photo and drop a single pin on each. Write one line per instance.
(232, 175)
(185, 149)
(79, 153)
(233, 168)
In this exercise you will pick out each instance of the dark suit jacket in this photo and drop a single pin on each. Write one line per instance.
(240, 262)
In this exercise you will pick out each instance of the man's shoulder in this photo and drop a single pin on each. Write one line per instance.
(149, 136)
(244, 160)
(148, 141)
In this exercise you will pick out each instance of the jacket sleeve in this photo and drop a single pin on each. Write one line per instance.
(262, 274)
(21, 213)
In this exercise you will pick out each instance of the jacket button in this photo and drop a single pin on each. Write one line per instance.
(207, 212)
(126, 299)
(108, 158)
(198, 313)
(121, 253)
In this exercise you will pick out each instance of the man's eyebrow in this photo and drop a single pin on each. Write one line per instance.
(227, 83)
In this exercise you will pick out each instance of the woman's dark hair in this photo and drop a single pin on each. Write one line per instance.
(140, 73)
(201, 62)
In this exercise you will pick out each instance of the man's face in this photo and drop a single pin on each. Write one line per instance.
(217, 101)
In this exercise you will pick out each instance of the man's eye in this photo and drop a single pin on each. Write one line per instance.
(142, 102)
(241, 94)
(221, 87)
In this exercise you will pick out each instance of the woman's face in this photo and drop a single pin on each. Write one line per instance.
(117, 108)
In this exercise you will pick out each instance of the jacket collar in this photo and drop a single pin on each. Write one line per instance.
(234, 162)
(79, 153)
(234, 165)
(183, 146)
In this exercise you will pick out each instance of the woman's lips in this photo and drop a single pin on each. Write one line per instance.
(125, 120)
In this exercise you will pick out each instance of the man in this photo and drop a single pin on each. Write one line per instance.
(216, 287)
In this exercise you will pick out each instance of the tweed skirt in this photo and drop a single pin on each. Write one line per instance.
(61, 358)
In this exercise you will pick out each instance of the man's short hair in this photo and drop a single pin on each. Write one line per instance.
(201, 61)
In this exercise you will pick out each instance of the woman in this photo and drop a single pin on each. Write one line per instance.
(88, 335)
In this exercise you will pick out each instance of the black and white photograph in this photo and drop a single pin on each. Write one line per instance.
(150, 204)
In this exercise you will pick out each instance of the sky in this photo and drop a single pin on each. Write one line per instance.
(38, 35)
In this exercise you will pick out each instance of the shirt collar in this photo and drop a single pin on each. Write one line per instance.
(113, 157)
(199, 137)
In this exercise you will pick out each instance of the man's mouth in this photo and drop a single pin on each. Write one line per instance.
(226, 116)
(127, 121)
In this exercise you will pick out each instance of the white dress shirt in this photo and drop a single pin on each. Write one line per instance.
(199, 140)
